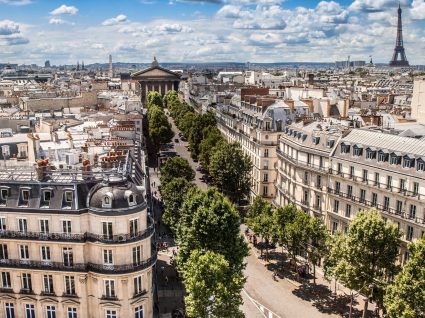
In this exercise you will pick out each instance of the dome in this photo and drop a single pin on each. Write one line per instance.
(116, 194)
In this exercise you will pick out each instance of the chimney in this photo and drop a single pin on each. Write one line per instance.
(328, 108)
(291, 104)
(41, 169)
(87, 173)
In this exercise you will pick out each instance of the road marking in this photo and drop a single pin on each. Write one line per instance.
(265, 312)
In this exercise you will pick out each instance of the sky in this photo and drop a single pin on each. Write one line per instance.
(262, 31)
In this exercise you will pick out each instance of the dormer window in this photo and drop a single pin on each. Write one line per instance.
(330, 143)
(370, 153)
(47, 195)
(382, 156)
(357, 150)
(345, 148)
(68, 196)
(420, 165)
(25, 195)
(4, 194)
(408, 161)
(316, 140)
(395, 159)
(107, 200)
(130, 197)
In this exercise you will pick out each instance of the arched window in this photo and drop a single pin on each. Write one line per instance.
(107, 200)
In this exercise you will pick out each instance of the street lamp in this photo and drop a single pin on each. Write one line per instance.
(210, 307)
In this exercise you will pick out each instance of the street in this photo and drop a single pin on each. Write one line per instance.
(264, 296)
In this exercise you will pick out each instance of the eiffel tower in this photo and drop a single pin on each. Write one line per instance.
(399, 48)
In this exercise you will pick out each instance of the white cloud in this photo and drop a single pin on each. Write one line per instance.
(59, 21)
(174, 28)
(113, 21)
(16, 2)
(97, 46)
(375, 5)
(418, 10)
(64, 9)
(8, 27)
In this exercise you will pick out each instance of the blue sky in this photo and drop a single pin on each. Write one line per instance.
(32, 31)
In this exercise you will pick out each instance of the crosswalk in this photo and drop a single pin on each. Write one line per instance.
(266, 312)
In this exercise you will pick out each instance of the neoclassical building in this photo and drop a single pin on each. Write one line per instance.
(154, 79)
(75, 243)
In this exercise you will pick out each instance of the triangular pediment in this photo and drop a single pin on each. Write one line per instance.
(155, 71)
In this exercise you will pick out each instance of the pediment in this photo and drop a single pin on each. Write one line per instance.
(155, 71)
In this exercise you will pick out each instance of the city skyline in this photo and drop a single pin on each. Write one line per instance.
(201, 31)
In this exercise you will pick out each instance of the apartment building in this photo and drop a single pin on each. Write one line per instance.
(256, 123)
(75, 243)
(371, 169)
(303, 164)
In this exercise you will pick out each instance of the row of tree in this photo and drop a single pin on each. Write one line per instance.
(159, 129)
(365, 259)
(211, 249)
(228, 166)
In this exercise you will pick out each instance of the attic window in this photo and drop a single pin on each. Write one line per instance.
(330, 143)
(68, 196)
(107, 200)
(316, 140)
(47, 195)
(25, 195)
(395, 159)
(345, 148)
(357, 150)
(304, 137)
(420, 165)
(4, 193)
(130, 198)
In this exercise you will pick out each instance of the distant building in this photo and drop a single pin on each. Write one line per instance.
(47, 64)
(418, 100)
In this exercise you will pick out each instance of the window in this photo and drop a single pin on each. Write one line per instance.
(357, 151)
(317, 202)
(69, 285)
(374, 199)
(138, 312)
(9, 309)
(330, 143)
(412, 212)
(107, 257)
(109, 287)
(339, 168)
(68, 257)
(334, 227)
(68, 196)
(382, 157)
(26, 282)
(389, 182)
(22, 225)
(45, 253)
(316, 140)
(265, 191)
(305, 197)
(111, 313)
(394, 159)
(134, 227)
(386, 203)
(66, 226)
(266, 177)
(48, 284)
(345, 230)
(137, 255)
(409, 233)
(399, 207)
(266, 153)
(3, 224)
(29, 311)
(376, 179)
(365, 175)
(131, 200)
(362, 198)
(348, 211)
(44, 226)
(402, 185)
(336, 206)
(321, 162)
(4, 194)
(71, 312)
(138, 288)
(352, 174)
(107, 230)
(345, 148)
(420, 165)
(337, 187)
(47, 195)
(24, 252)
(349, 191)
(3, 252)
(107, 200)
(25, 195)
(5, 280)
(318, 181)
(305, 177)
(50, 311)
(370, 154)
(415, 188)
(408, 162)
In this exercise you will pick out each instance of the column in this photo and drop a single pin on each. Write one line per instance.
(159, 86)
(166, 87)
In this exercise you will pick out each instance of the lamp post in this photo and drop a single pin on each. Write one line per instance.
(210, 307)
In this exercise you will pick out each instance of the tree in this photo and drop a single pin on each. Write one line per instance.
(198, 129)
(366, 255)
(159, 128)
(282, 217)
(405, 297)
(206, 148)
(260, 220)
(210, 222)
(186, 122)
(317, 247)
(170, 98)
(297, 234)
(213, 288)
(176, 167)
(230, 169)
(154, 98)
(173, 194)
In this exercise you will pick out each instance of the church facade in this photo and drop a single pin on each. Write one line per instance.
(155, 79)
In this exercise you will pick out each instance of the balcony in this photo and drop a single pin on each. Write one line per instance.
(141, 293)
(6, 290)
(109, 297)
(307, 165)
(80, 267)
(26, 291)
(73, 295)
(79, 238)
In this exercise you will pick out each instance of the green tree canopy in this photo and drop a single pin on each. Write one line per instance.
(230, 169)
(154, 99)
(366, 255)
(405, 297)
(198, 129)
(209, 221)
(213, 288)
(176, 167)
(207, 146)
(173, 194)
(159, 128)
